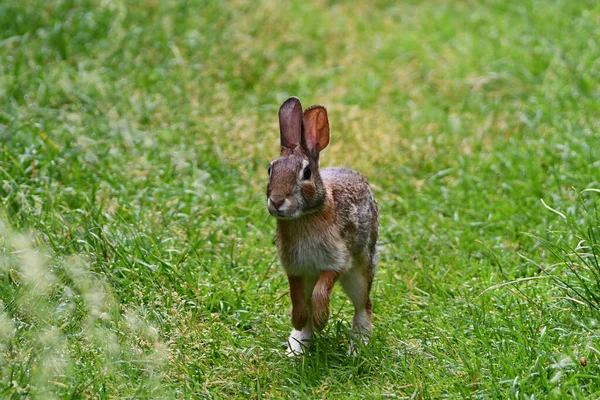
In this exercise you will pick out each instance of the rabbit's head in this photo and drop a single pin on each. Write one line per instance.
(295, 187)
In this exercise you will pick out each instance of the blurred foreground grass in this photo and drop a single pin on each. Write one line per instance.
(134, 142)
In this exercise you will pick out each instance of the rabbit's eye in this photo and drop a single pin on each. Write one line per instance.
(306, 174)
(269, 171)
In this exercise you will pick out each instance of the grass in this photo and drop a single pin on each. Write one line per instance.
(136, 250)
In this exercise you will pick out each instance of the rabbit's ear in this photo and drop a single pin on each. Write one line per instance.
(290, 123)
(315, 129)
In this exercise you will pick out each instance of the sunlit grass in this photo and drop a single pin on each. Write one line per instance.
(61, 325)
(134, 142)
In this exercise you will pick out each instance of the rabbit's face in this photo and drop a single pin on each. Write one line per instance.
(295, 187)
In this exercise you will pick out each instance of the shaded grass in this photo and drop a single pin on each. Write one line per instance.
(138, 134)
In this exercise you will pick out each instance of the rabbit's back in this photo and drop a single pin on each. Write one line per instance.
(356, 211)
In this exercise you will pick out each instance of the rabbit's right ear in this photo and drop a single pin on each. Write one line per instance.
(290, 123)
(316, 130)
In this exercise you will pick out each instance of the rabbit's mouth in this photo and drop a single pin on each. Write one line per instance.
(283, 214)
(283, 210)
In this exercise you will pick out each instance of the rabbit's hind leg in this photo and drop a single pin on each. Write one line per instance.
(357, 285)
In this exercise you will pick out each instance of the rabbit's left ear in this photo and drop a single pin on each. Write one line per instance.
(315, 130)
(290, 123)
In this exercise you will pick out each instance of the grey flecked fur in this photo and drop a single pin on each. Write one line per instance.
(357, 213)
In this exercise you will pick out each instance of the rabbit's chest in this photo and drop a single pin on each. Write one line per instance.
(311, 252)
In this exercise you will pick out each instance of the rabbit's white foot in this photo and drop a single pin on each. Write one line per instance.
(299, 341)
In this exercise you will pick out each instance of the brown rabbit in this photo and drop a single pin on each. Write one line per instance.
(327, 225)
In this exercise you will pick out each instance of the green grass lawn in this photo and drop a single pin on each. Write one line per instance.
(136, 251)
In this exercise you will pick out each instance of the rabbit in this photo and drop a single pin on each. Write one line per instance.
(327, 226)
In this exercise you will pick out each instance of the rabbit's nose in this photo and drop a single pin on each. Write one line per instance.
(277, 202)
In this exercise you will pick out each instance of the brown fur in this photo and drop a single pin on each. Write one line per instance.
(299, 311)
(320, 298)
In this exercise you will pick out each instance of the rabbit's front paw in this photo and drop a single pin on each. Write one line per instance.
(299, 341)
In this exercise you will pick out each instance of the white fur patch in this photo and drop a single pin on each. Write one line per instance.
(299, 341)
(314, 256)
(305, 164)
(284, 206)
